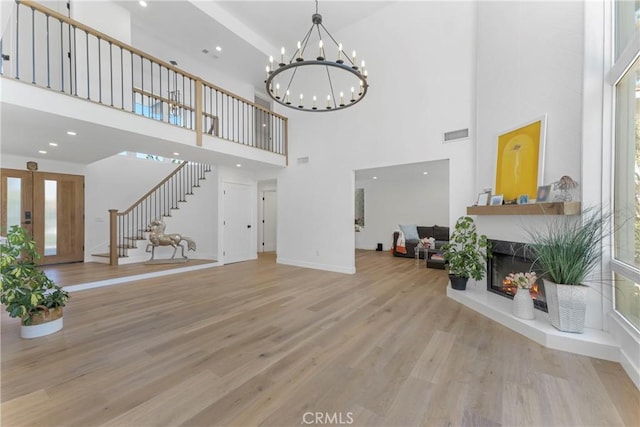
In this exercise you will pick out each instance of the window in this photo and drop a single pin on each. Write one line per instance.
(626, 192)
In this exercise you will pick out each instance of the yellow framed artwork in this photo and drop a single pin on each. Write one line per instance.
(520, 160)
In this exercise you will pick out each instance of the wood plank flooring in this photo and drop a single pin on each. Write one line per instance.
(256, 343)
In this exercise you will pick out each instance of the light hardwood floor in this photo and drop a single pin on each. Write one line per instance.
(257, 343)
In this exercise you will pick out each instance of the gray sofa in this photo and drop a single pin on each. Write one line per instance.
(440, 234)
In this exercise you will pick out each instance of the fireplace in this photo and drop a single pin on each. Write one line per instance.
(512, 257)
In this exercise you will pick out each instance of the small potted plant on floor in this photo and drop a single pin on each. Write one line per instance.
(25, 289)
(567, 251)
(466, 253)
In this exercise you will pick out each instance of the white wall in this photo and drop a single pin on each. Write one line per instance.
(44, 165)
(421, 201)
(105, 16)
(530, 62)
(201, 68)
(422, 66)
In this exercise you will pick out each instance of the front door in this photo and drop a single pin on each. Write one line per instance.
(51, 207)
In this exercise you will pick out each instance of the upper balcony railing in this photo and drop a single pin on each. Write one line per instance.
(51, 50)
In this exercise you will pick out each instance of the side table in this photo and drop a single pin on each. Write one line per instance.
(435, 259)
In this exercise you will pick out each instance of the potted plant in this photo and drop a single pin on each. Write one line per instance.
(566, 251)
(466, 253)
(25, 289)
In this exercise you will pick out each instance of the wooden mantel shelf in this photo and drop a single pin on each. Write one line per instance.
(552, 208)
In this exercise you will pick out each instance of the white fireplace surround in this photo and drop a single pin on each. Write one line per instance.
(593, 342)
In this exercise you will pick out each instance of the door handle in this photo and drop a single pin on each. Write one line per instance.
(249, 226)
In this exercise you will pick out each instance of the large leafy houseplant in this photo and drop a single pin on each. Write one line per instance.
(466, 253)
(567, 250)
(25, 289)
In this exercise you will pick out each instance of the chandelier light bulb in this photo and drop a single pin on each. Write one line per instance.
(299, 58)
(271, 63)
(286, 99)
(353, 94)
(353, 57)
(328, 102)
(320, 51)
(300, 105)
(278, 90)
(339, 60)
(282, 52)
(267, 69)
(314, 103)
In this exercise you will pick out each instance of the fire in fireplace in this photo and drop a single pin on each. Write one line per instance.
(512, 257)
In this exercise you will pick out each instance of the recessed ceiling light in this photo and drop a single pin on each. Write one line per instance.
(218, 48)
(53, 144)
(42, 152)
(375, 177)
(176, 154)
(425, 173)
(142, 3)
(72, 133)
(238, 165)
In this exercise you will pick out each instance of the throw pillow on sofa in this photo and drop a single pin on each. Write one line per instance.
(410, 232)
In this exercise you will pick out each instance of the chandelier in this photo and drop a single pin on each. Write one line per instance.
(328, 81)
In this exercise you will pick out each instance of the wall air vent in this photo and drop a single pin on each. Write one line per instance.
(455, 135)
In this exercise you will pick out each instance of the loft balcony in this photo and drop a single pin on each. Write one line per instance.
(56, 69)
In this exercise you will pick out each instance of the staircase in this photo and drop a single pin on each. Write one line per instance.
(128, 230)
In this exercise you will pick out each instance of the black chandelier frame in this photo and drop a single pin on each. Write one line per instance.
(297, 61)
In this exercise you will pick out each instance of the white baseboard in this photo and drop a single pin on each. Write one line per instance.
(316, 266)
(117, 281)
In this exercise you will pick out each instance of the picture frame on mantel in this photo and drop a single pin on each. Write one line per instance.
(483, 199)
(520, 159)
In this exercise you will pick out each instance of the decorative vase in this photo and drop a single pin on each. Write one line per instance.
(567, 306)
(458, 283)
(43, 323)
(523, 304)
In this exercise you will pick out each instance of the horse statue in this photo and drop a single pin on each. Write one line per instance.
(158, 238)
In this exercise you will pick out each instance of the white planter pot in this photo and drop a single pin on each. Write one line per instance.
(35, 331)
(567, 306)
(44, 323)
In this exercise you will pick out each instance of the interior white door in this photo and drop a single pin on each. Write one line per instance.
(237, 224)
(269, 221)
